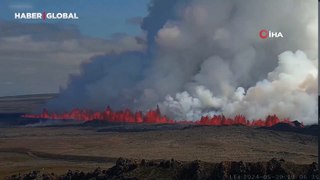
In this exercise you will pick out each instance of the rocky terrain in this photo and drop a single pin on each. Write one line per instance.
(60, 148)
(173, 169)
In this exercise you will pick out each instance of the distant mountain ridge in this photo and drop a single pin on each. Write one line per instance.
(24, 103)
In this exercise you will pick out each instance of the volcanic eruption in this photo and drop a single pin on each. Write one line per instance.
(204, 63)
(154, 117)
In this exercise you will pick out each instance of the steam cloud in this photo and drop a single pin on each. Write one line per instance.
(205, 57)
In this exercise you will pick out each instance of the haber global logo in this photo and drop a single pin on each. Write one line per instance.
(45, 16)
(264, 34)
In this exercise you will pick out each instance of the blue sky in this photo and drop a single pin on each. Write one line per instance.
(98, 18)
(38, 56)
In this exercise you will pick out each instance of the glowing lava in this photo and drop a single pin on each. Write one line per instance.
(153, 116)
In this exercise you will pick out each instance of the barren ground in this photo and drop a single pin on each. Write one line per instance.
(57, 149)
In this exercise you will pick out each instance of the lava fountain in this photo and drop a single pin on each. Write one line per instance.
(153, 117)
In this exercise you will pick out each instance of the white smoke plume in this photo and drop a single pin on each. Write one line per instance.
(289, 91)
(205, 57)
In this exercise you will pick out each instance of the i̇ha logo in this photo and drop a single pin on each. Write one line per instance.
(45, 16)
(264, 34)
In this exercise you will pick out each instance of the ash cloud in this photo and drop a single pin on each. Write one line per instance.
(205, 57)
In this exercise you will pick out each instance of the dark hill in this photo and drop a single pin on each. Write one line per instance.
(296, 127)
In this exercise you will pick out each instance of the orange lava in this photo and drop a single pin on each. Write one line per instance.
(153, 116)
